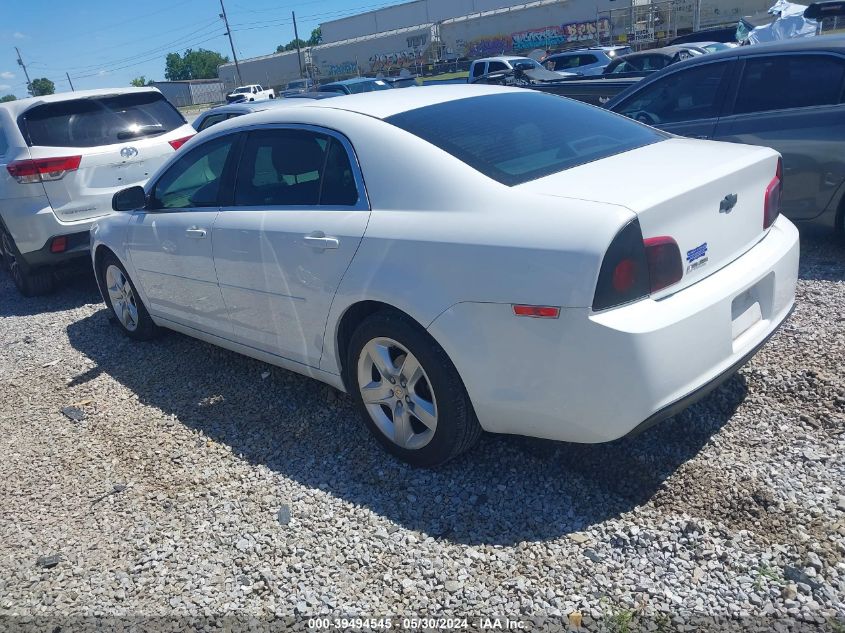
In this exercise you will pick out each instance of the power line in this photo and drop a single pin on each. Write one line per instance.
(157, 49)
(22, 65)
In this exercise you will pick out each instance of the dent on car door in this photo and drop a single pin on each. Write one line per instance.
(792, 103)
(284, 241)
(170, 242)
(685, 102)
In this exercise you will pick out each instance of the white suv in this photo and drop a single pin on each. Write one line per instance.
(62, 158)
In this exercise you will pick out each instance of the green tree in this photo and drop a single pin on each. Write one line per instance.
(140, 82)
(193, 64)
(6, 98)
(291, 46)
(42, 86)
(316, 37)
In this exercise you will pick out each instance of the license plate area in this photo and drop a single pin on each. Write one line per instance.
(745, 313)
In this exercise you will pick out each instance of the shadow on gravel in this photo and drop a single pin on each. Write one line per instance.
(822, 254)
(507, 490)
(71, 292)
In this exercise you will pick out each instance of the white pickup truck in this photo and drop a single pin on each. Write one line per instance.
(253, 92)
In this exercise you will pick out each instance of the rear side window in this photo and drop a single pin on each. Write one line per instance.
(682, 96)
(4, 142)
(547, 133)
(294, 168)
(97, 121)
(478, 69)
(789, 81)
(212, 119)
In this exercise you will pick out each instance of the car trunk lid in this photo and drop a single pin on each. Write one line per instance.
(708, 197)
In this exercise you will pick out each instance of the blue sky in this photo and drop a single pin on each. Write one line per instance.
(106, 43)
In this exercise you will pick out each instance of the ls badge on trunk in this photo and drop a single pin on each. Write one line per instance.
(728, 203)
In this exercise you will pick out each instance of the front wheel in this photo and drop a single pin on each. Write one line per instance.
(122, 298)
(409, 392)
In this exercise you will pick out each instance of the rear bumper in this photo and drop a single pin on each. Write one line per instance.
(588, 377)
(32, 224)
(76, 253)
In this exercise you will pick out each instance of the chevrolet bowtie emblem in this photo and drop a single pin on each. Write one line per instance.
(728, 203)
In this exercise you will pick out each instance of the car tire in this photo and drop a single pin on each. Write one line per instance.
(436, 421)
(30, 283)
(124, 302)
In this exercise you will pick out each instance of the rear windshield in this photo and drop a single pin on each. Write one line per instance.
(517, 137)
(99, 120)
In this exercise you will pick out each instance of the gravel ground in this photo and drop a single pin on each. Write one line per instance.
(182, 480)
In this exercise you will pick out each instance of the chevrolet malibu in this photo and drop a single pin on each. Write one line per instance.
(563, 273)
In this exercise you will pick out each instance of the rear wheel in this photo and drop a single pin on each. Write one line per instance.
(409, 392)
(30, 283)
(122, 298)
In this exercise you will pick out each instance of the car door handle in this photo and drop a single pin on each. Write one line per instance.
(196, 233)
(318, 239)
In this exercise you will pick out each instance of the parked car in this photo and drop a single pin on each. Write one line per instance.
(224, 112)
(298, 86)
(62, 157)
(646, 62)
(784, 95)
(457, 268)
(253, 92)
(355, 86)
(713, 47)
(489, 65)
(585, 61)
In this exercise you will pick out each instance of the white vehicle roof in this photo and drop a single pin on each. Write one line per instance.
(20, 106)
(374, 104)
(502, 58)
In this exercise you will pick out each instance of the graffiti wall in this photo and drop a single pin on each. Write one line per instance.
(382, 62)
(343, 68)
(554, 36)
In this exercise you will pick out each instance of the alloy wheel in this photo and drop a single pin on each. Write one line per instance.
(397, 393)
(122, 297)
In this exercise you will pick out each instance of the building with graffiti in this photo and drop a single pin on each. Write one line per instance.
(413, 36)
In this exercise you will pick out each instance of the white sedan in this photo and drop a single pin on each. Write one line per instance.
(461, 258)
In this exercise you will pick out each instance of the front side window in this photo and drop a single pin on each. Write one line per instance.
(550, 134)
(294, 168)
(494, 67)
(194, 179)
(682, 96)
(789, 81)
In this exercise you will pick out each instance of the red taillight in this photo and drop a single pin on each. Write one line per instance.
(664, 262)
(633, 268)
(179, 142)
(59, 244)
(40, 169)
(538, 312)
(624, 275)
(771, 201)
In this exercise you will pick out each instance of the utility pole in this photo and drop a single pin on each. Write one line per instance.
(231, 43)
(70, 82)
(26, 74)
(296, 40)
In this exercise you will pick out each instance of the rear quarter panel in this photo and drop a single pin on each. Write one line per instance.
(440, 233)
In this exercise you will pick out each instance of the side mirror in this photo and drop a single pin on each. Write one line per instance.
(129, 199)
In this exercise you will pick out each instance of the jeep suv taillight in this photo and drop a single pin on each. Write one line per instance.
(771, 201)
(34, 170)
(633, 268)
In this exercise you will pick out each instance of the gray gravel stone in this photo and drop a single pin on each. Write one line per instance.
(716, 512)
